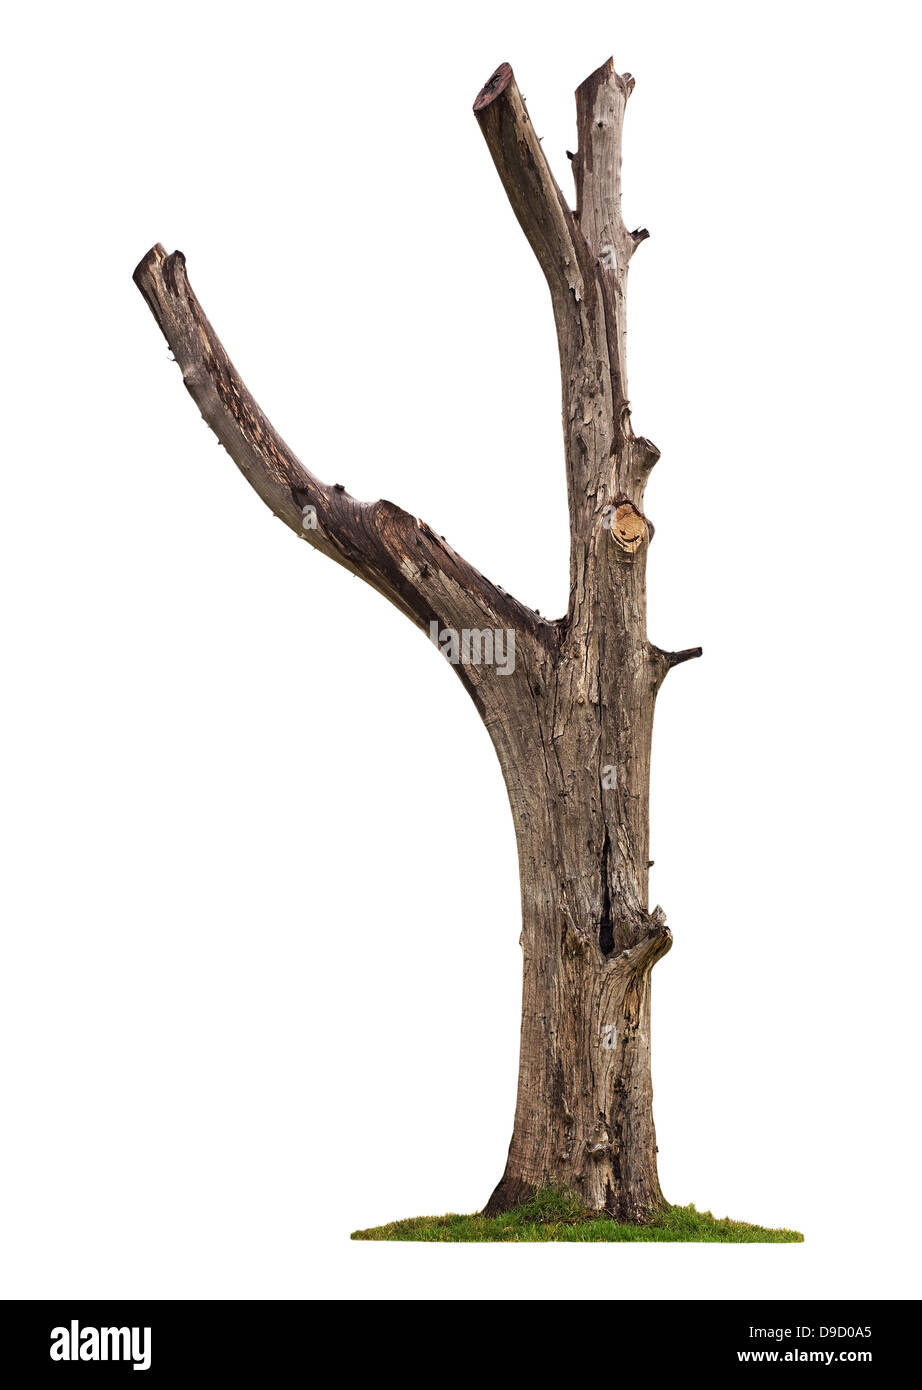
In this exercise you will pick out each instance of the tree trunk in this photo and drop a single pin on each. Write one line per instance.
(571, 718)
(583, 1116)
(579, 781)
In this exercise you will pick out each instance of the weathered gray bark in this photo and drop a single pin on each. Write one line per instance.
(572, 722)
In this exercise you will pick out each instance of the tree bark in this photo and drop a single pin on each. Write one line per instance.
(572, 720)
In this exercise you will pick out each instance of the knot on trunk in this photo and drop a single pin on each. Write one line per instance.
(598, 1143)
(655, 944)
(628, 526)
(654, 940)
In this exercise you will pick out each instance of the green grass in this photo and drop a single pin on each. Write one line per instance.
(560, 1216)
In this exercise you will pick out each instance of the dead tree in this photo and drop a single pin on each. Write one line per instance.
(571, 722)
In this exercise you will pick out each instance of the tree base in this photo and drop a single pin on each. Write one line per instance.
(513, 1194)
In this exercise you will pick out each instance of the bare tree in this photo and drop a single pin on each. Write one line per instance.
(571, 715)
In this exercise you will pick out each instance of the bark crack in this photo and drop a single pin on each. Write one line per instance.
(606, 920)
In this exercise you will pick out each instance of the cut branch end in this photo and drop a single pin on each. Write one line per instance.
(494, 87)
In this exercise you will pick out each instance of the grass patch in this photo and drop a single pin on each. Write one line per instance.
(560, 1216)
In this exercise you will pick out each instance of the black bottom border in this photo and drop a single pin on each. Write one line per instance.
(214, 1340)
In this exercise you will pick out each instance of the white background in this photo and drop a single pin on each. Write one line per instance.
(260, 979)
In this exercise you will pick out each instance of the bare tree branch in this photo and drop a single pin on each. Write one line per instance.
(600, 104)
(664, 661)
(689, 654)
(532, 190)
(398, 555)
